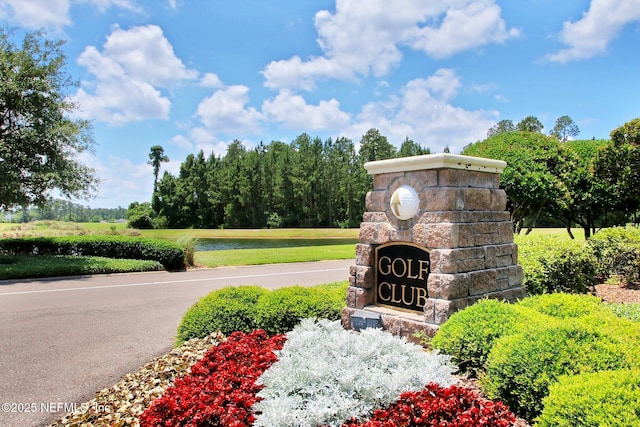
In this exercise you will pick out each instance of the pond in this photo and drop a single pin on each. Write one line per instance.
(226, 243)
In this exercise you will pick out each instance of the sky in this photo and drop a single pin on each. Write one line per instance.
(193, 75)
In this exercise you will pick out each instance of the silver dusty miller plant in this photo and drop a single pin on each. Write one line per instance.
(325, 375)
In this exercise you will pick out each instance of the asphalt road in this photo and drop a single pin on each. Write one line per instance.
(62, 340)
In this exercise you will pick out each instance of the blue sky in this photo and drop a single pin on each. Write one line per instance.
(195, 75)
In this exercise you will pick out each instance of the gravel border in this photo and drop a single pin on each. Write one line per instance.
(122, 404)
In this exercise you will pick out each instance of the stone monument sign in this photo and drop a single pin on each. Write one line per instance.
(435, 238)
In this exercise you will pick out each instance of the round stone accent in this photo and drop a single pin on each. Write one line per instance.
(404, 202)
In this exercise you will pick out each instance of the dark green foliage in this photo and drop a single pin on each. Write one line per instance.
(279, 311)
(607, 398)
(522, 366)
(167, 253)
(226, 310)
(531, 177)
(140, 216)
(469, 335)
(29, 267)
(555, 264)
(306, 183)
(246, 308)
(39, 139)
(617, 252)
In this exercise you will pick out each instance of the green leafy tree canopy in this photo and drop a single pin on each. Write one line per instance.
(39, 142)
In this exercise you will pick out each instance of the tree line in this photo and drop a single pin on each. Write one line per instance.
(308, 183)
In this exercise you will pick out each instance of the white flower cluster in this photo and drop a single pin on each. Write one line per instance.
(325, 375)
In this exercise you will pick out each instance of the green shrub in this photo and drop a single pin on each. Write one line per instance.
(607, 398)
(246, 308)
(226, 310)
(282, 309)
(521, 367)
(617, 252)
(469, 335)
(556, 264)
(565, 305)
(167, 253)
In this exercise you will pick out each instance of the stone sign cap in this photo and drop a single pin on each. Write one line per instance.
(435, 161)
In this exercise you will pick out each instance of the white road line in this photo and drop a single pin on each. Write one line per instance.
(130, 285)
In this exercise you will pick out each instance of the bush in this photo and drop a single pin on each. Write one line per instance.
(470, 334)
(521, 367)
(607, 398)
(167, 253)
(617, 252)
(246, 308)
(566, 305)
(282, 309)
(556, 264)
(226, 310)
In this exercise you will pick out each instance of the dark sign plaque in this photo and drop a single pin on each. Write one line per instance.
(401, 273)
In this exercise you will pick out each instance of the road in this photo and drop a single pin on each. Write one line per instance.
(62, 340)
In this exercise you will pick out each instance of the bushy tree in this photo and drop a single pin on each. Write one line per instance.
(39, 142)
(530, 179)
(530, 124)
(501, 127)
(565, 128)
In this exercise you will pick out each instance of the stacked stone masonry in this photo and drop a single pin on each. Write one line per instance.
(463, 222)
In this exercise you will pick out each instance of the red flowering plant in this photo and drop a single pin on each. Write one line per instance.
(221, 388)
(437, 406)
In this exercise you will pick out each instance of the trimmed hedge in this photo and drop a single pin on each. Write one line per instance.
(520, 351)
(556, 264)
(227, 310)
(169, 254)
(521, 367)
(565, 305)
(282, 309)
(246, 308)
(469, 335)
(617, 252)
(606, 398)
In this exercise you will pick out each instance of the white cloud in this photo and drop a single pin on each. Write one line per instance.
(226, 111)
(128, 72)
(423, 112)
(145, 54)
(182, 142)
(211, 80)
(36, 14)
(472, 24)
(592, 34)
(120, 176)
(53, 15)
(363, 38)
(294, 113)
(104, 5)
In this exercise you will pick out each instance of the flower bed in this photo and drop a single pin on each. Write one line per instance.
(224, 388)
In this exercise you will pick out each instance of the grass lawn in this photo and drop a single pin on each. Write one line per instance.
(273, 256)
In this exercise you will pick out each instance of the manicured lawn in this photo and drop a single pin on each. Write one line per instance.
(273, 256)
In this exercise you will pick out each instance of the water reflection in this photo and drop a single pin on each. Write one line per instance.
(226, 244)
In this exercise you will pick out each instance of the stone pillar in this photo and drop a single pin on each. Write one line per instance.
(459, 220)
